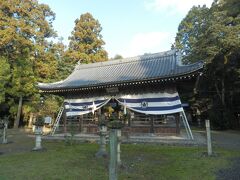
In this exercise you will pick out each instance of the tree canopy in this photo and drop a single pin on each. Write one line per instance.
(86, 43)
(212, 35)
(26, 53)
(28, 56)
(4, 77)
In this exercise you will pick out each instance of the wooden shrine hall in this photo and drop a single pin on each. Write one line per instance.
(141, 91)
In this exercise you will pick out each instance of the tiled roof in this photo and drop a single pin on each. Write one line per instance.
(146, 67)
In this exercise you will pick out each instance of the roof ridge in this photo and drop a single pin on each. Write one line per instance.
(143, 57)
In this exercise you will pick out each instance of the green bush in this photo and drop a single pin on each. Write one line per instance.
(221, 118)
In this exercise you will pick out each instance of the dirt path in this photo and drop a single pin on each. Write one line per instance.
(18, 141)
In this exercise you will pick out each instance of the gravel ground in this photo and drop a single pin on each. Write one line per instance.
(228, 140)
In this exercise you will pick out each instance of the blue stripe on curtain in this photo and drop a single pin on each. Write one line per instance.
(164, 108)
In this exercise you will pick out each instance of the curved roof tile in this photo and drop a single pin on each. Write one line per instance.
(149, 66)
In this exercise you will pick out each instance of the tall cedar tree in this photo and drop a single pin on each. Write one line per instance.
(4, 77)
(212, 35)
(86, 43)
(25, 26)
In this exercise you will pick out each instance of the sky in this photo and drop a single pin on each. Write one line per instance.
(130, 27)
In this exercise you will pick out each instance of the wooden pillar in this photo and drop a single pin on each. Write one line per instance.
(99, 112)
(131, 116)
(80, 123)
(64, 121)
(151, 124)
(129, 119)
(177, 117)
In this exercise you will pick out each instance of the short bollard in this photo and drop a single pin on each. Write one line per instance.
(209, 142)
(38, 141)
(102, 152)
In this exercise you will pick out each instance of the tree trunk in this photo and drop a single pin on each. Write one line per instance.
(217, 89)
(195, 89)
(223, 93)
(16, 124)
(30, 120)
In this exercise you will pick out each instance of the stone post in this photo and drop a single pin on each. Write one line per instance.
(209, 142)
(38, 140)
(113, 155)
(118, 147)
(102, 152)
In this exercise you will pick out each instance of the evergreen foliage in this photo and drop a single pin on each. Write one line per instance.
(4, 77)
(212, 35)
(86, 43)
(27, 56)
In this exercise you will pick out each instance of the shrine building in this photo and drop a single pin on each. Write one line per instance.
(144, 92)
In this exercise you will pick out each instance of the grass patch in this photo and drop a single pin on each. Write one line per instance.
(139, 162)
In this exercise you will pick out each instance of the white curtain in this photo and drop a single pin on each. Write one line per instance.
(148, 103)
